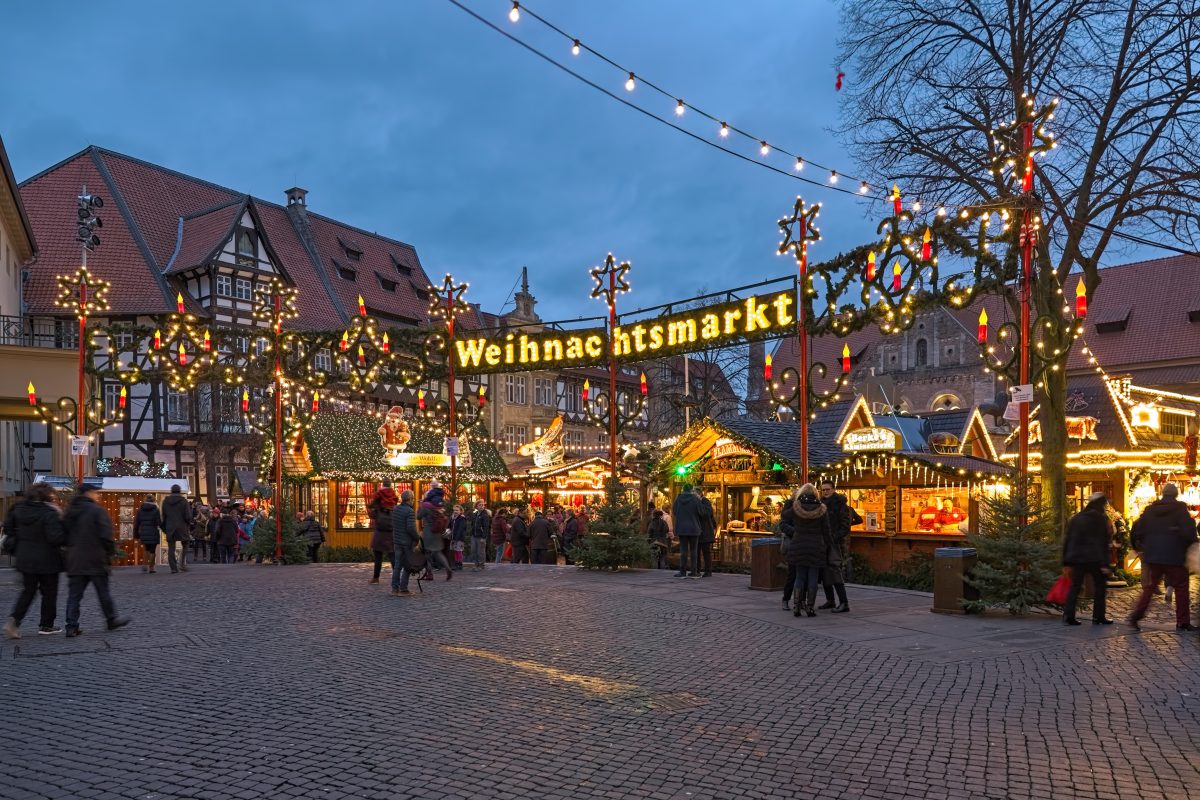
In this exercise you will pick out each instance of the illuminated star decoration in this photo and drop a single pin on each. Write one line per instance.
(68, 292)
(600, 276)
(447, 302)
(799, 229)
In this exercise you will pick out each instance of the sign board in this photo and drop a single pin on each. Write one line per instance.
(419, 460)
(451, 446)
(870, 439)
(724, 448)
(1012, 412)
(1022, 393)
(79, 445)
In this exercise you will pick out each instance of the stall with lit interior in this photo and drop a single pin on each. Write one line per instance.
(914, 480)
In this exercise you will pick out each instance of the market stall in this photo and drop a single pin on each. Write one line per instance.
(576, 483)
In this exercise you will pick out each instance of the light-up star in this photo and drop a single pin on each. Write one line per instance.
(799, 229)
(95, 299)
(447, 302)
(606, 288)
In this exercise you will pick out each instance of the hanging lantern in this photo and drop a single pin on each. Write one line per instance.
(316, 401)
(896, 277)
(846, 359)
(1080, 300)
(587, 387)
(983, 332)
(767, 368)
(123, 397)
(207, 341)
(345, 340)
(643, 384)
(870, 266)
(362, 307)
(157, 338)
(182, 355)
(482, 395)
(421, 399)
(897, 205)
(32, 394)
(926, 246)
(179, 302)
(387, 345)
(245, 400)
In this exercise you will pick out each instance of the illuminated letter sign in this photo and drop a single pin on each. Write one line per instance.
(480, 352)
(866, 439)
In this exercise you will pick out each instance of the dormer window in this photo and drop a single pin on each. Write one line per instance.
(401, 267)
(387, 284)
(351, 249)
(344, 272)
(247, 247)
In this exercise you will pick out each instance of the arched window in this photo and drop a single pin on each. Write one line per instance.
(921, 354)
(945, 402)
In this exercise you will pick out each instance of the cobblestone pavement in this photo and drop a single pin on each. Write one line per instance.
(305, 682)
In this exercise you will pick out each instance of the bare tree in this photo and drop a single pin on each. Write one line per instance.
(930, 80)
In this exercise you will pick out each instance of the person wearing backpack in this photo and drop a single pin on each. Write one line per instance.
(380, 511)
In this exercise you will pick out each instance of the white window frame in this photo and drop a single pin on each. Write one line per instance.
(178, 412)
(112, 399)
(225, 285)
(514, 437)
(543, 392)
(243, 288)
(221, 473)
(514, 390)
(323, 359)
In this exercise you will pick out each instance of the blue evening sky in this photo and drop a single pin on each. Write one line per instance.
(410, 118)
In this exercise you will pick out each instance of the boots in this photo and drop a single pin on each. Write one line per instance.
(10, 629)
(843, 604)
(828, 598)
(809, 608)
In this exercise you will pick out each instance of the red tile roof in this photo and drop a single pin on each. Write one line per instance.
(141, 239)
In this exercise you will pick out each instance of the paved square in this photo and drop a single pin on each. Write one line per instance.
(306, 682)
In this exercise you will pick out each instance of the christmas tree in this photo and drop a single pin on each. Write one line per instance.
(1018, 555)
(293, 547)
(614, 539)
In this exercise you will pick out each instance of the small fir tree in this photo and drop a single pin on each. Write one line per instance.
(1017, 563)
(293, 546)
(614, 539)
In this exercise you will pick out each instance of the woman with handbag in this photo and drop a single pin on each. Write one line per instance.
(34, 533)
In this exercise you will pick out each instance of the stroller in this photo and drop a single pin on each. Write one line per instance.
(416, 563)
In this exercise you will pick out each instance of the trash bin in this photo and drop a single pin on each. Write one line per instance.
(950, 565)
(765, 558)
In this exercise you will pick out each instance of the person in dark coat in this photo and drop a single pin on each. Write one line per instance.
(659, 535)
(147, 524)
(500, 534)
(686, 514)
(459, 526)
(540, 544)
(481, 529)
(787, 527)
(90, 548)
(227, 535)
(311, 531)
(433, 530)
(404, 539)
(833, 575)
(380, 511)
(214, 532)
(37, 530)
(808, 548)
(518, 534)
(1162, 535)
(708, 535)
(1085, 552)
(177, 522)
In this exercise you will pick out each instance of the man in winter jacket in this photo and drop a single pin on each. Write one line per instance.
(1163, 535)
(90, 548)
(833, 575)
(708, 534)
(433, 529)
(38, 534)
(481, 529)
(500, 533)
(177, 521)
(404, 539)
(1085, 552)
(380, 511)
(518, 533)
(686, 511)
(148, 523)
(539, 539)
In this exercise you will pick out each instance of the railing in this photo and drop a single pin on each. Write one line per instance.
(26, 332)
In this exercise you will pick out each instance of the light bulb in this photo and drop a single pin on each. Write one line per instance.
(630, 84)
(679, 108)
(724, 130)
(575, 48)
(833, 176)
(862, 189)
(799, 163)
(764, 148)
(515, 14)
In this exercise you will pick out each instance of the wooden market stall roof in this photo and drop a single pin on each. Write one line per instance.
(548, 473)
(342, 446)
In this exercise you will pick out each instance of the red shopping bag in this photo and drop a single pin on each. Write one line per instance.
(508, 550)
(1058, 592)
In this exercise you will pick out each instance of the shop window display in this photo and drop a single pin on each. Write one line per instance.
(869, 503)
(940, 510)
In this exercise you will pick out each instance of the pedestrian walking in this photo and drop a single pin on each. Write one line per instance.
(312, 531)
(201, 518)
(500, 533)
(227, 535)
(708, 535)
(458, 535)
(148, 523)
(660, 539)
(380, 512)
(90, 549)
(686, 512)
(433, 529)
(36, 536)
(481, 529)
(833, 576)
(177, 522)
(1162, 535)
(808, 548)
(1085, 552)
(518, 534)
(404, 539)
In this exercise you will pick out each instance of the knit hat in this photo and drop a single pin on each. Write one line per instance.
(1170, 490)
(1097, 496)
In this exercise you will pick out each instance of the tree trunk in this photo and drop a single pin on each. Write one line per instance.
(1054, 448)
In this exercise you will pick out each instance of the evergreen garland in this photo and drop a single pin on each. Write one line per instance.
(1017, 563)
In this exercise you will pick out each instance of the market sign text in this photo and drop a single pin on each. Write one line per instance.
(720, 325)
(862, 440)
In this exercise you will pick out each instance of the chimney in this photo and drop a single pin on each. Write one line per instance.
(296, 200)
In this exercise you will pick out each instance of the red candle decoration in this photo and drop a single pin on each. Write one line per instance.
(207, 341)
(421, 399)
(316, 401)
(587, 387)
(182, 355)
(362, 307)
(643, 384)
(926, 246)
(157, 338)
(32, 394)
(387, 345)
(896, 278)
(767, 368)
(845, 359)
(362, 358)
(345, 340)
(897, 205)
(121, 400)
(245, 400)
(983, 334)
(870, 266)
(482, 396)
(1080, 300)
(179, 302)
